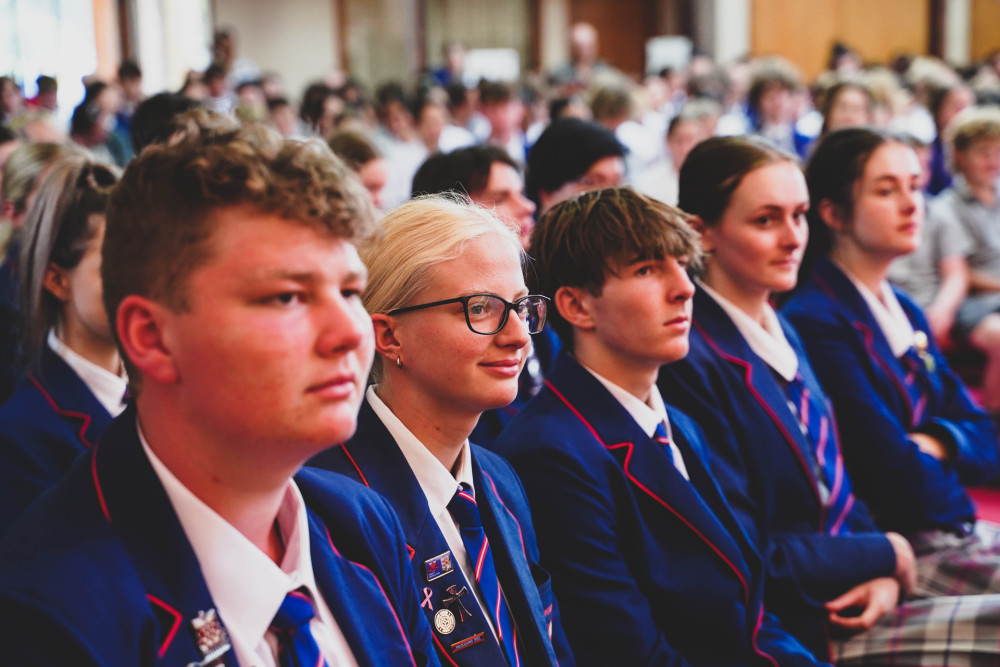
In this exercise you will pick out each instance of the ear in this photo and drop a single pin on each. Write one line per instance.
(143, 329)
(386, 342)
(573, 304)
(830, 214)
(704, 231)
(56, 282)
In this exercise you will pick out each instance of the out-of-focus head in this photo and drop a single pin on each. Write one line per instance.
(973, 137)
(21, 174)
(60, 252)
(572, 156)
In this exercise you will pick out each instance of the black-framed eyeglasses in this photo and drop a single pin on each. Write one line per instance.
(486, 314)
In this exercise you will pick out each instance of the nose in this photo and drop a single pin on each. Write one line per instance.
(514, 332)
(795, 231)
(679, 285)
(343, 325)
(526, 205)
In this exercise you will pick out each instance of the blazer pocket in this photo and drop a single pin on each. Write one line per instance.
(544, 584)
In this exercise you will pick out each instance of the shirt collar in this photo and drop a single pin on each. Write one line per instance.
(107, 388)
(889, 315)
(229, 560)
(766, 340)
(436, 481)
(648, 416)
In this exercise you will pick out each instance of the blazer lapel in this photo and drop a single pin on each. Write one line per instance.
(70, 397)
(136, 505)
(511, 562)
(833, 280)
(438, 577)
(721, 334)
(645, 463)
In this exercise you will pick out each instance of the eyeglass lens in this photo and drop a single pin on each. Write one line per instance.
(486, 313)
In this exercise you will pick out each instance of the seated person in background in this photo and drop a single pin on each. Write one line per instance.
(181, 538)
(936, 274)
(488, 176)
(573, 156)
(685, 131)
(911, 435)
(491, 179)
(452, 319)
(769, 428)
(648, 561)
(75, 382)
(971, 209)
(21, 173)
(364, 159)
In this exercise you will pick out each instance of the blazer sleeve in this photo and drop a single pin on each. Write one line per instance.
(961, 423)
(896, 478)
(31, 636)
(785, 649)
(810, 563)
(607, 618)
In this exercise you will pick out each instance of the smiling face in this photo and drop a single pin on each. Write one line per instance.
(454, 369)
(756, 247)
(273, 349)
(888, 205)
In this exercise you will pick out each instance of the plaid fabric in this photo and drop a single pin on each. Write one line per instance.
(948, 564)
(958, 631)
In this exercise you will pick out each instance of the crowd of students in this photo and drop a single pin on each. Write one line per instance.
(577, 397)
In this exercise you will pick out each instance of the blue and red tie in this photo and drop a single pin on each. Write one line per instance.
(465, 511)
(296, 645)
(916, 383)
(660, 435)
(824, 456)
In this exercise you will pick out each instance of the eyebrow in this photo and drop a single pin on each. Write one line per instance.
(310, 276)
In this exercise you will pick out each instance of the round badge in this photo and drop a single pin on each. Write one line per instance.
(444, 621)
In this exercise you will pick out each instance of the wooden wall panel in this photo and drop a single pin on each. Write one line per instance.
(623, 26)
(804, 31)
(478, 24)
(985, 28)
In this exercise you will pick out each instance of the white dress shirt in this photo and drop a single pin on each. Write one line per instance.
(245, 584)
(439, 487)
(647, 415)
(107, 388)
(766, 340)
(888, 313)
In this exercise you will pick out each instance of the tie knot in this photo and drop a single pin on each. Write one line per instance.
(295, 610)
(661, 433)
(464, 509)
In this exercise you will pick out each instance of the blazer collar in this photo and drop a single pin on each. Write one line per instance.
(70, 397)
(137, 507)
(645, 462)
(720, 334)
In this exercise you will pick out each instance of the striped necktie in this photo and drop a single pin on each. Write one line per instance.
(296, 645)
(815, 426)
(465, 511)
(660, 436)
(916, 380)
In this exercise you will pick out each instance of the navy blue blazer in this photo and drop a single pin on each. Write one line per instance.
(906, 489)
(814, 550)
(650, 569)
(99, 571)
(49, 420)
(373, 457)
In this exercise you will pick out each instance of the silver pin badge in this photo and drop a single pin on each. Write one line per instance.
(444, 621)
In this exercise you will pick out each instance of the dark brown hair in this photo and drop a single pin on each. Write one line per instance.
(582, 240)
(715, 168)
